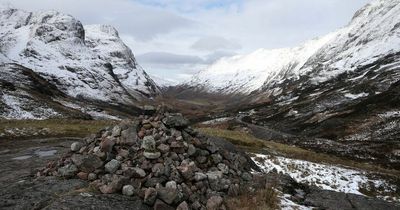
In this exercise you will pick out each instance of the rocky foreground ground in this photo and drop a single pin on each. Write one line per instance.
(149, 163)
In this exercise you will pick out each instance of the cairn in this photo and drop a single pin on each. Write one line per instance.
(159, 159)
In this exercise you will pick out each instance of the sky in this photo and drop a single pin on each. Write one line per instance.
(173, 39)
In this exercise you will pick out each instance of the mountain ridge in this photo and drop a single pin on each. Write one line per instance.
(87, 63)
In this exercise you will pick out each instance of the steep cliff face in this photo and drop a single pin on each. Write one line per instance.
(84, 62)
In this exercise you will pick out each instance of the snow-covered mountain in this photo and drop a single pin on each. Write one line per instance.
(84, 62)
(373, 33)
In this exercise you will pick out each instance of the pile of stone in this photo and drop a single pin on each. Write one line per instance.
(159, 159)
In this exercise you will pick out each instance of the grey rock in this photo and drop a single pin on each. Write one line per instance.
(175, 121)
(76, 146)
(150, 196)
(183, 206)
(129, 136)
(128, 190)
(224, 168)
(201, 159)
(160, 205)
(167, 194)
(149, 144)
(116, 131)
(217, 158)
(112, 166)
(68, 171)
(92, 176)
(151, 155)
(134, 172)
(198, 176)
(163, 148)
(247, 176)
(87, 163)
(187, 169)
(214, 203)
(191, 150)
(158, 169)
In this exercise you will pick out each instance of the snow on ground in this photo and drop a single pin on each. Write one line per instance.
(355, 96)
(218, 120)
(324, 176)
(20, 108)
(287, 204)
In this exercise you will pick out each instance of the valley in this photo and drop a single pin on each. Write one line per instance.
(84, 126)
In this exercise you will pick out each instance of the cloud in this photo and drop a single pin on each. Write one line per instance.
(168, 58)
(140, 21)
(212, 43)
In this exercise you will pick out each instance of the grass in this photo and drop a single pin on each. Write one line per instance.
(265, 199)
(252, 144)
(21, 129)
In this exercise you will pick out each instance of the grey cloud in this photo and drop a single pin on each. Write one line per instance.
(212, 43)
(168, 58)
(213, 57)
(142, 22)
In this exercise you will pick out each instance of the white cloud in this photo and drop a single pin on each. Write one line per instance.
(212, 43)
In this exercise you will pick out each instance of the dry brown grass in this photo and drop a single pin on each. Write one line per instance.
(265, 199)
(252, 144)
(51, 128)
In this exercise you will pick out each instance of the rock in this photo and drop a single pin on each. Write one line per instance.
(129, 136)
(217, 158)
(187, 169)
(160, 205)
(168, 194)
(92, 176)
(201, 159)
(247, 176)
(196, 205)
(158, 169)
(112, 166)
(68, 171)
(151, 155)
(175, 121)
(116, 131)
(163, 148)
(150, 196)
(183, 206)
(191, 150)
(149, 144)
(128, 190)
(135, 172)
(214, 203)
(76, 146)
(224, 168)
(87, 163)
(214, 179)
(153, 181)
(141, 134)
(114, 186)
(198, 176)
(233, 190)
(82, 175)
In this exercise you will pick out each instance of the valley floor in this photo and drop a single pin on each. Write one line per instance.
(22, 155)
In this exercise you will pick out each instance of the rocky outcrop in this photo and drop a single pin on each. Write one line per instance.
(166, 163)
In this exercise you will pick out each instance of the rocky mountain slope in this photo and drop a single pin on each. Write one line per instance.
(84, 62)
(373, 33)
(343, 99)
